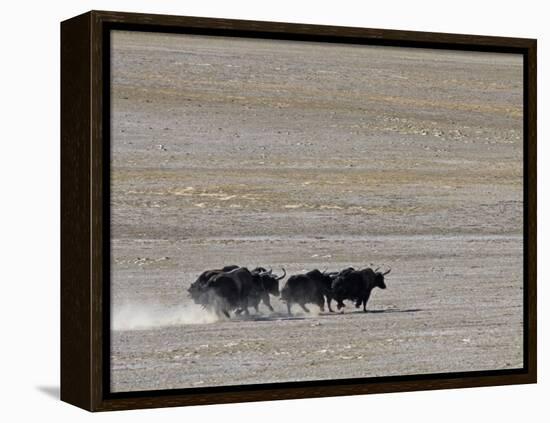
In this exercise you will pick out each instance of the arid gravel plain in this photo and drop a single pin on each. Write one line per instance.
(304, 155)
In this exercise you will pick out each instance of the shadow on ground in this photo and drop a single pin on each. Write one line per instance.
(282, 316)
(50, 391)
(392, 310)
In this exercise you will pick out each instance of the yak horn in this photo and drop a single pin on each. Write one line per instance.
(284, 274)
(385, 273)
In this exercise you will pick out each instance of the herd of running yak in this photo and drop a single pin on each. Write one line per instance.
(235, 289)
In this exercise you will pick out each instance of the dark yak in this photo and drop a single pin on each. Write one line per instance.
(308, 288)
(265, 283)
(224, 291)
(356, 285)
(206, 275)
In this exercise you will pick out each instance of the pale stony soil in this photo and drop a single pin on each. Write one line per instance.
(301, 155)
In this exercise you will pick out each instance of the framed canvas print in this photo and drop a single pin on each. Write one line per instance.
(257, 210)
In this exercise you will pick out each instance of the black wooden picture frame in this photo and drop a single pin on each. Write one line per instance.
(85, 125)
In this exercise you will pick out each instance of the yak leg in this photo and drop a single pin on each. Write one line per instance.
(365, 299)
(288, 305)
(329, 299)
(266, 301)
(321, 302)
(220, 307)
(244, 306)
(304, 307)
(220, 311)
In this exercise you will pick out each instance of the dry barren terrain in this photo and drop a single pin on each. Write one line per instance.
(303, 155)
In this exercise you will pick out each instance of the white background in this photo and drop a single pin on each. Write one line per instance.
(29, 235)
